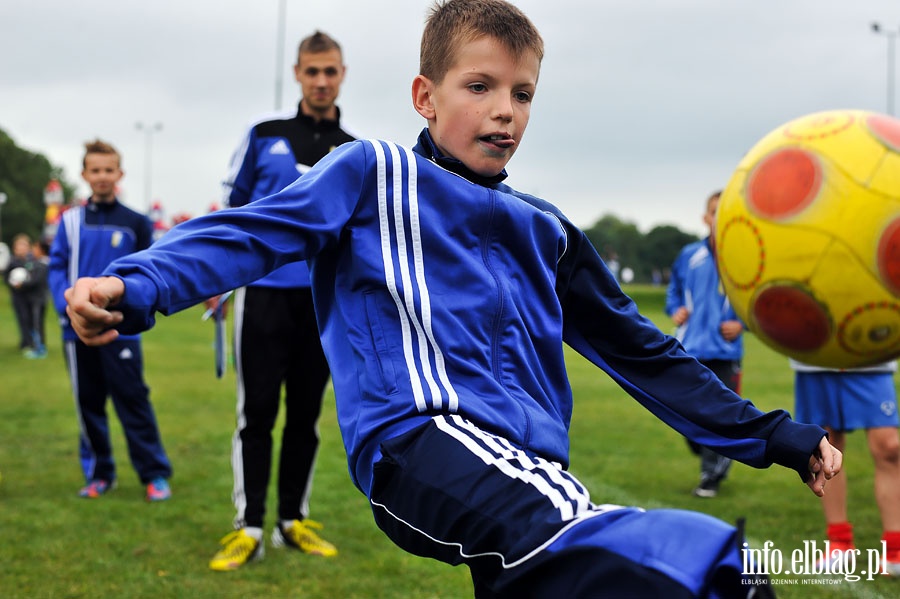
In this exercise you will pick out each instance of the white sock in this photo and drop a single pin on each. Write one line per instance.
(254, 532)
(286, 524)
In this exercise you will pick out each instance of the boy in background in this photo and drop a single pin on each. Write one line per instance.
(843, 401)
(444, 298)
(709, 330)
(26, 276)
(89, 238)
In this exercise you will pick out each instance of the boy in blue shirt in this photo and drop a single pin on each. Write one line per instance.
(444, 298)
(88, 239)
(709, 330)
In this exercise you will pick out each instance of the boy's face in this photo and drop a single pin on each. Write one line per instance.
(102, 173)
(479, 112)
(709, 217)
(21, 248)
(320, 75)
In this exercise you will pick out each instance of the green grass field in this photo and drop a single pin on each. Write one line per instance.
(54, 544)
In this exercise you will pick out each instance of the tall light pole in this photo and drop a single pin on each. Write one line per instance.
(148, 130)
(891, 35)
(279, 55)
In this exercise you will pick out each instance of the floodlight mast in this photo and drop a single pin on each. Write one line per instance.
(891, 35)
(148, 130)
(279, 54)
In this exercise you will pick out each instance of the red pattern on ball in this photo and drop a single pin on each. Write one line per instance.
(783, 184)
(792, 318)
(886, 129)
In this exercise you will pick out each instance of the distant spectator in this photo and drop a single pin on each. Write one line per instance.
(26, 276)
(88, 239)
(708, 328)
(842, 401)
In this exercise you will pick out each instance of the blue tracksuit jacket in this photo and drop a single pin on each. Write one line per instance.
(88, 239)
(273, 153)
(437, 293)
(695, 284)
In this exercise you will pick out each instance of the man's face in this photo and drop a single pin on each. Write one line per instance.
(320, 76)
(102, 173)
(479, 112)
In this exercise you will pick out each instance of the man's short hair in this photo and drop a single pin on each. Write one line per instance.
(316, 43)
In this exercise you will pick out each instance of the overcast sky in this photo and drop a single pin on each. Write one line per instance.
(643, 106)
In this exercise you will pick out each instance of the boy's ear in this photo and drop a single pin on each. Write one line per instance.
(422, 88)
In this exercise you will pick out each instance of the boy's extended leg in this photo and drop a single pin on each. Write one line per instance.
(453, 492)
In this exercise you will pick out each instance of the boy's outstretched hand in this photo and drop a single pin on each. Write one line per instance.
(89, 301)
(824, 464)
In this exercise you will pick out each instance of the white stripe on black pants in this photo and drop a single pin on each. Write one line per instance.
(276, 342)
(450, 491)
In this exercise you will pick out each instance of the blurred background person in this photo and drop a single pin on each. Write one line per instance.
(26, 276)
(276, 338)
(842, 401)
(88, 239)
(709, 329)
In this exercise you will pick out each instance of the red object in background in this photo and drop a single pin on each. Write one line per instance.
(53, 193)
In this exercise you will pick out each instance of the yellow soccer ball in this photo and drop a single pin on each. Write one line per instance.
(808, 239)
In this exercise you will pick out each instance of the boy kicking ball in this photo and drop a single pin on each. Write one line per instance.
(444, 298)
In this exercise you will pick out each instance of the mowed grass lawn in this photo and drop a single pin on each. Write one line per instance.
(54, 544)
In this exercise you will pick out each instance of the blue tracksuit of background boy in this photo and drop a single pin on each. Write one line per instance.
(88, 239)
(695, 275)
(443, 300)
(695, 284)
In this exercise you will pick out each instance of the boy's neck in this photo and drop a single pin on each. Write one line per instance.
(455, 166)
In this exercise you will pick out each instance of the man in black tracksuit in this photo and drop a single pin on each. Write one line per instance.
(275, 335)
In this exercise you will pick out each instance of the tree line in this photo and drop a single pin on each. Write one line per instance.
(23, 177)
(648, 256)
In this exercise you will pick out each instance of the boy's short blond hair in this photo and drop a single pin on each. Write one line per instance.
(452, 23)
(99, 146)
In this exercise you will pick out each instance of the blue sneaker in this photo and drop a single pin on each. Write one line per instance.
(158, 489)
(96, 488)
(36, 354)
